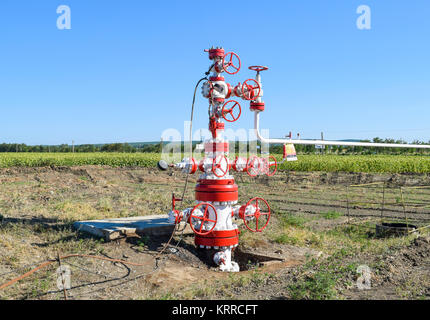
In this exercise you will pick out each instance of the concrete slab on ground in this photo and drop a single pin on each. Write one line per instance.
(111, 229)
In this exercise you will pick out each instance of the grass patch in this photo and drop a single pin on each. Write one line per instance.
(292, 220)
(320, 281)
(318, 286)
(362, 238)
(241, 280)
(70, 210)
(331, 215)
(285, 239)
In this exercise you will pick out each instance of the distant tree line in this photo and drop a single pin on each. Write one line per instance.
(310, 149)
(111, 147)
(157, 147)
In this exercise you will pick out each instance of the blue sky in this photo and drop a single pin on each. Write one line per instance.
(126, 70)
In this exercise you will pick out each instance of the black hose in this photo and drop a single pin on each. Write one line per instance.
(191, 132)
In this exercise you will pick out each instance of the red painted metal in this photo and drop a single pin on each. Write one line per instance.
(201, 165)
(253, 166)
(215, 182)
(236, 90)
(228, 109)
(214, 53)
(194, 166)
(273, 166)
(216, 147)
(257, 214)
(178, 217)
(216, 187)
(228, 95)
(258, 68)
(248, 89)
(217, 165)
(216, 78)
(203, 219)
(229, 65)
(256, 106)
(219, 100)
(218, 238)
(214, 126)
(234, 164)
(217, 196)
(218, 190)
(216, 242)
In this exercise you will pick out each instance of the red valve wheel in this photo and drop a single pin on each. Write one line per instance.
(264, 165)
(227, 112)
(258, 68)
(217, 165)
(229, 64)
(272, 166)
(253, 166)
(259, 213)
(234, 163)
(248, 89)
(203, 219)
(192, 167)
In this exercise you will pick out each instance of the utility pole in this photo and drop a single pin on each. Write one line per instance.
(322, 147)
(73, 146)
(161, 144)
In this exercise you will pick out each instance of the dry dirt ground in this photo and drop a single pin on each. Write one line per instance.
(321, 231)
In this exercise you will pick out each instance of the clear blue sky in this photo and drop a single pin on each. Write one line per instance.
(127, 69)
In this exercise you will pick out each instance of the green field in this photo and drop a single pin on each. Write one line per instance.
(359, 163)
(328, 163)
(8, 160)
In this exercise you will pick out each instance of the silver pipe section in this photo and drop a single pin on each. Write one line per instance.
(330, 143)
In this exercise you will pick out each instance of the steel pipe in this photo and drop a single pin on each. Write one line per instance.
(330, 143)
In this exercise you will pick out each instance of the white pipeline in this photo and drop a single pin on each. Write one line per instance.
(330, 143)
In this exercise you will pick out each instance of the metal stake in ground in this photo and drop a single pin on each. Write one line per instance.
(62, 275)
